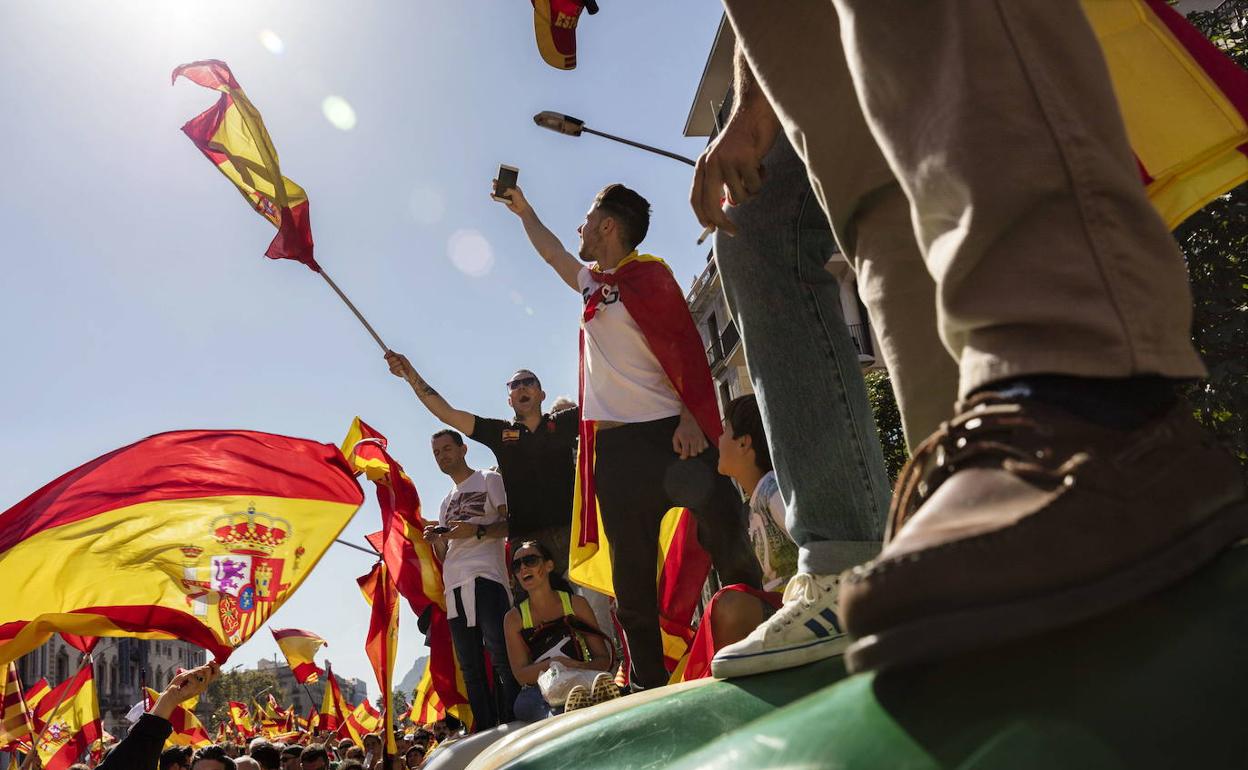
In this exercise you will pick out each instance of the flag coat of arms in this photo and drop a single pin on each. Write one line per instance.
(68, 721)
(193, 535)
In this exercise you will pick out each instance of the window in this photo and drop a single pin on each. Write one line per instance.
(62, 666)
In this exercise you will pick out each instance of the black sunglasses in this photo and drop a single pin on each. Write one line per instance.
(528, 560)
(521, 382)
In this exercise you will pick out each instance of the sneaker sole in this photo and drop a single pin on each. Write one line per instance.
(750, 664)
(946, 635)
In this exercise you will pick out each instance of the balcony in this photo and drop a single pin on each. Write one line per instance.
(723, 346)
(861, 335)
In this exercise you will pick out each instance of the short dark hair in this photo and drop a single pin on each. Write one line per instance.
(454, 434)
(745, 420)
(292, 751)
(313, 752)
(175, 755)
(351, 764)
(629, 210)
(214, 753)
(267, 755)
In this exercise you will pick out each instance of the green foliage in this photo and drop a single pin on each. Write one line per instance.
(243, 686)
(887, 421)
(1215, 245)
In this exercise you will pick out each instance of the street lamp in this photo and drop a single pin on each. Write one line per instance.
(566, 124)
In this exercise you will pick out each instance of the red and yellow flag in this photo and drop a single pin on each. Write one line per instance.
(15, 717)
(300, 648)
(240, 718)
(441, 690)
(36, 693)
(382, 641)
(193, 535)
(187, 729)
(333, 713)
(412, 565)
(410, 560)
(232, 135)
(1184, 103)
(362, 720)
(70, 718)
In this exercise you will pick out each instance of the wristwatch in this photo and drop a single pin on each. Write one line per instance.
(480, 531)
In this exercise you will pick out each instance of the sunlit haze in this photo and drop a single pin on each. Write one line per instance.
(134, 294)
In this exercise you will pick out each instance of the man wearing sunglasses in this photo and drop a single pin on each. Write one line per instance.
(536, 454)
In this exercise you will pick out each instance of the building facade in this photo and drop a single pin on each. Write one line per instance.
(711, 106)
(122, 666)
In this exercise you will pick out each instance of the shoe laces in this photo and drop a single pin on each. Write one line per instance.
(800, 594)
(983, 434)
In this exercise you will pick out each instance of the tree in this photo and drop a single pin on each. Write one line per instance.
(1215, 245)
(887, 421)
(242, 686)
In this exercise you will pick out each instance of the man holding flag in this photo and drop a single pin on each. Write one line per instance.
(649, 418)
(141, 747)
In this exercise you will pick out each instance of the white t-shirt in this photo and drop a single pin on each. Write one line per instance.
(776, 551)
(624, 382)
(475, 500)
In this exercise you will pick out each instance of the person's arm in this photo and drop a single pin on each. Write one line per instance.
(142, 745)
(462, 421)
(525, 671)
(543, 240)
(599, 655)
(735, 159)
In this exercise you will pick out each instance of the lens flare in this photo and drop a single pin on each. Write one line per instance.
(339, 113)
(271, 42)
(471, 253)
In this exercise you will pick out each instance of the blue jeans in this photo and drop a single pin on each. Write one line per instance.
(804, 368)
(488, 708)
(531, 706)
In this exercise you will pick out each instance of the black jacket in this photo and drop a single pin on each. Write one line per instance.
(140, 749)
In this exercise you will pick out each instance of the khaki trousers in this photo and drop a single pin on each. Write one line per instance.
(997, 121)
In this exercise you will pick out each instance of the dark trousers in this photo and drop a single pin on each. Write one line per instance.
(638, 478)
(488, 707)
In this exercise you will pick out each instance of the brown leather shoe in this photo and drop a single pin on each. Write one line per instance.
(1017, 517)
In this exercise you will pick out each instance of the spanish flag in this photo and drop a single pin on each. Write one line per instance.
(652, 296)
(363, 720)
(441, 690)
(382, 641)
(36, 693)
(240, 718)
(187, 729)
(232, 135)
(411, 563)
(1184, 103)
(333, 713)
(15, 717)
(409, 559)
(300, 647)
(71, 721)
(194, 535)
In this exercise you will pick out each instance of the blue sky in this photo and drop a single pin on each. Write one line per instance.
(134, 297)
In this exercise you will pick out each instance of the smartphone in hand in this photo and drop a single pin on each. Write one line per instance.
(506, 179)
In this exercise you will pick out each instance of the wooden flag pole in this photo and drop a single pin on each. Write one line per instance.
(355, 310)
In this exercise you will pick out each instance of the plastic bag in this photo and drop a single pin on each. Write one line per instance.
(557, 681)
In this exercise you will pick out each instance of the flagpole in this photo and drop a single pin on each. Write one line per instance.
(362, 549)
(355, 310)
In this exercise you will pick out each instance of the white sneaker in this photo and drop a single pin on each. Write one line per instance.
(805, 629)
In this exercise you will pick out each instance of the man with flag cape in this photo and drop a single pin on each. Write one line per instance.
(649, 427)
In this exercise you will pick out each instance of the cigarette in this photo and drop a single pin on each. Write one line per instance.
(705, 234)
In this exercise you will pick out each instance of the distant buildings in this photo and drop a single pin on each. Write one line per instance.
(304, 697)
(121, 667)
